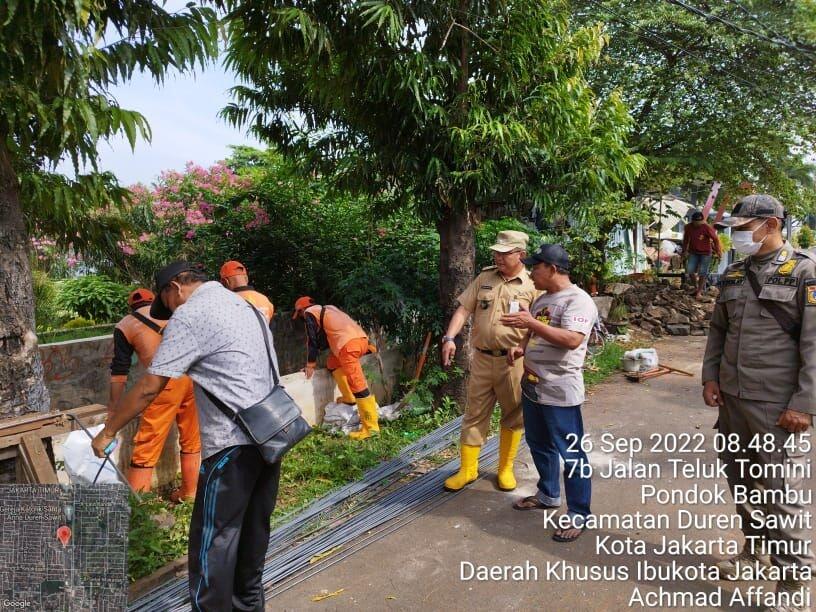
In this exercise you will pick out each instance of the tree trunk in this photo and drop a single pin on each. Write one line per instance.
(22, 388)
(457, 259)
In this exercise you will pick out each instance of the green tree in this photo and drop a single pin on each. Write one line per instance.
(711, 95)
(59, 59)
(804, 237)
(442, 107)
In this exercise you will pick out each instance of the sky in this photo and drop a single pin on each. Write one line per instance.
(183, 117)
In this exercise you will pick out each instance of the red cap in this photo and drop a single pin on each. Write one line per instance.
(301, 304)
(140, 296)
(232, 268)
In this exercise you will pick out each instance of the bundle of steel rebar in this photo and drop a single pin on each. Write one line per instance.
(282, 562)
(411, 500)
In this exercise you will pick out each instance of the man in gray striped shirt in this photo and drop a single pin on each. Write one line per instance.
(214, 337)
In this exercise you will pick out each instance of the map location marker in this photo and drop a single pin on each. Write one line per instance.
(63, 535)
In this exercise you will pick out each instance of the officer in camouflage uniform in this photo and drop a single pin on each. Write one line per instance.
(760, 370)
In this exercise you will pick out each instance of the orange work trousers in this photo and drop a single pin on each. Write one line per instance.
(174, 403)
(348, 360)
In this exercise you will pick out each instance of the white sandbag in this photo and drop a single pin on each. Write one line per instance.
(80, 462)
(342, 417)
(389, 412)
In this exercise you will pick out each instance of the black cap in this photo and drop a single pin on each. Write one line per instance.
(163, 277)
(696, 216)
(553, 254)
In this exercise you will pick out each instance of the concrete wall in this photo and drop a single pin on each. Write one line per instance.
(77, 374)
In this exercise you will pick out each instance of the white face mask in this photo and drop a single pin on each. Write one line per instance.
(743, 241)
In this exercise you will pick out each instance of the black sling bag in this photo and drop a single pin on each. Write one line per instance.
(275, 424)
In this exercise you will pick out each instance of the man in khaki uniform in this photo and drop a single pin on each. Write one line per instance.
(760, 370)
(492, 379)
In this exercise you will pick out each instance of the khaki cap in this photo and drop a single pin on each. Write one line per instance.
(510, 240)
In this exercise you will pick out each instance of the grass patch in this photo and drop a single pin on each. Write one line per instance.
(74, 334)
(316, 466)
(605, 363)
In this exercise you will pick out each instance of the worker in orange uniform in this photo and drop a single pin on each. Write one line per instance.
(234, 276)
(140, 333)
(329, 327)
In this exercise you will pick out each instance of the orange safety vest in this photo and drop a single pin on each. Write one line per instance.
(259, 301)
(144, 340)
(338, 326)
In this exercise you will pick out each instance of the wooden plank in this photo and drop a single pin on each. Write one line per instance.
(8, 453)
(36, 463)
(46, 424)
(47, 432)
(31, 422)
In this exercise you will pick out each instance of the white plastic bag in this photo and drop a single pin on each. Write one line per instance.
(80, 462)
(341, 417)
(640, 360)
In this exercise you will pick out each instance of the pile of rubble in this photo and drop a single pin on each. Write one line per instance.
(660, 308)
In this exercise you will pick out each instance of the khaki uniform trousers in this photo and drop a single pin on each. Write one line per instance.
(491, 380)
(747, 418)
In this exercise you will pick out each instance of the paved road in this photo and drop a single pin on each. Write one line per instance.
(419, 566)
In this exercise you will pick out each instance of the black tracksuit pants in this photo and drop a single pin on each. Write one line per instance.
(229, 530)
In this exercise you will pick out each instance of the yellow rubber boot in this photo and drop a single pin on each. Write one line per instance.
(140, 478)
(346, 396)
(369, 419)
(468, 468)
(508, 447)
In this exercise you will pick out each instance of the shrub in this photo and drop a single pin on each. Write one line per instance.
(78, 323)
(95, 297)
(619, 312)
(804, 237)
(395, 288)
(46, 306)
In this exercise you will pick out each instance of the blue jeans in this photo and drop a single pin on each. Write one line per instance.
(546, 429)
(698, 264)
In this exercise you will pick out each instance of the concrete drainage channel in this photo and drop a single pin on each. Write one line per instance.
(316, 538)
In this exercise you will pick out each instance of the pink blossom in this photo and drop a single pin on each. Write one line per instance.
(260, 219)
(165, 208)
(126, 248)
(145, 237)
(195, 217)
(206, 208)
(190, 235)
(71, 262)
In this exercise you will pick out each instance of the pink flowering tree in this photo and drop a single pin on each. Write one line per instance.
(189, 215)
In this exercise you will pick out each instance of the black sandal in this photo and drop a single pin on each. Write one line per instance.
(560, 538)
(531, 502)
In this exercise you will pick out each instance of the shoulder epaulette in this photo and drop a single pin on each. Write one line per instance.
(488, 268)
(805, 254)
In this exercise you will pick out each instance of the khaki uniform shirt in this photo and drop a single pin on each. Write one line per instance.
(748, 353)
(488, 297)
